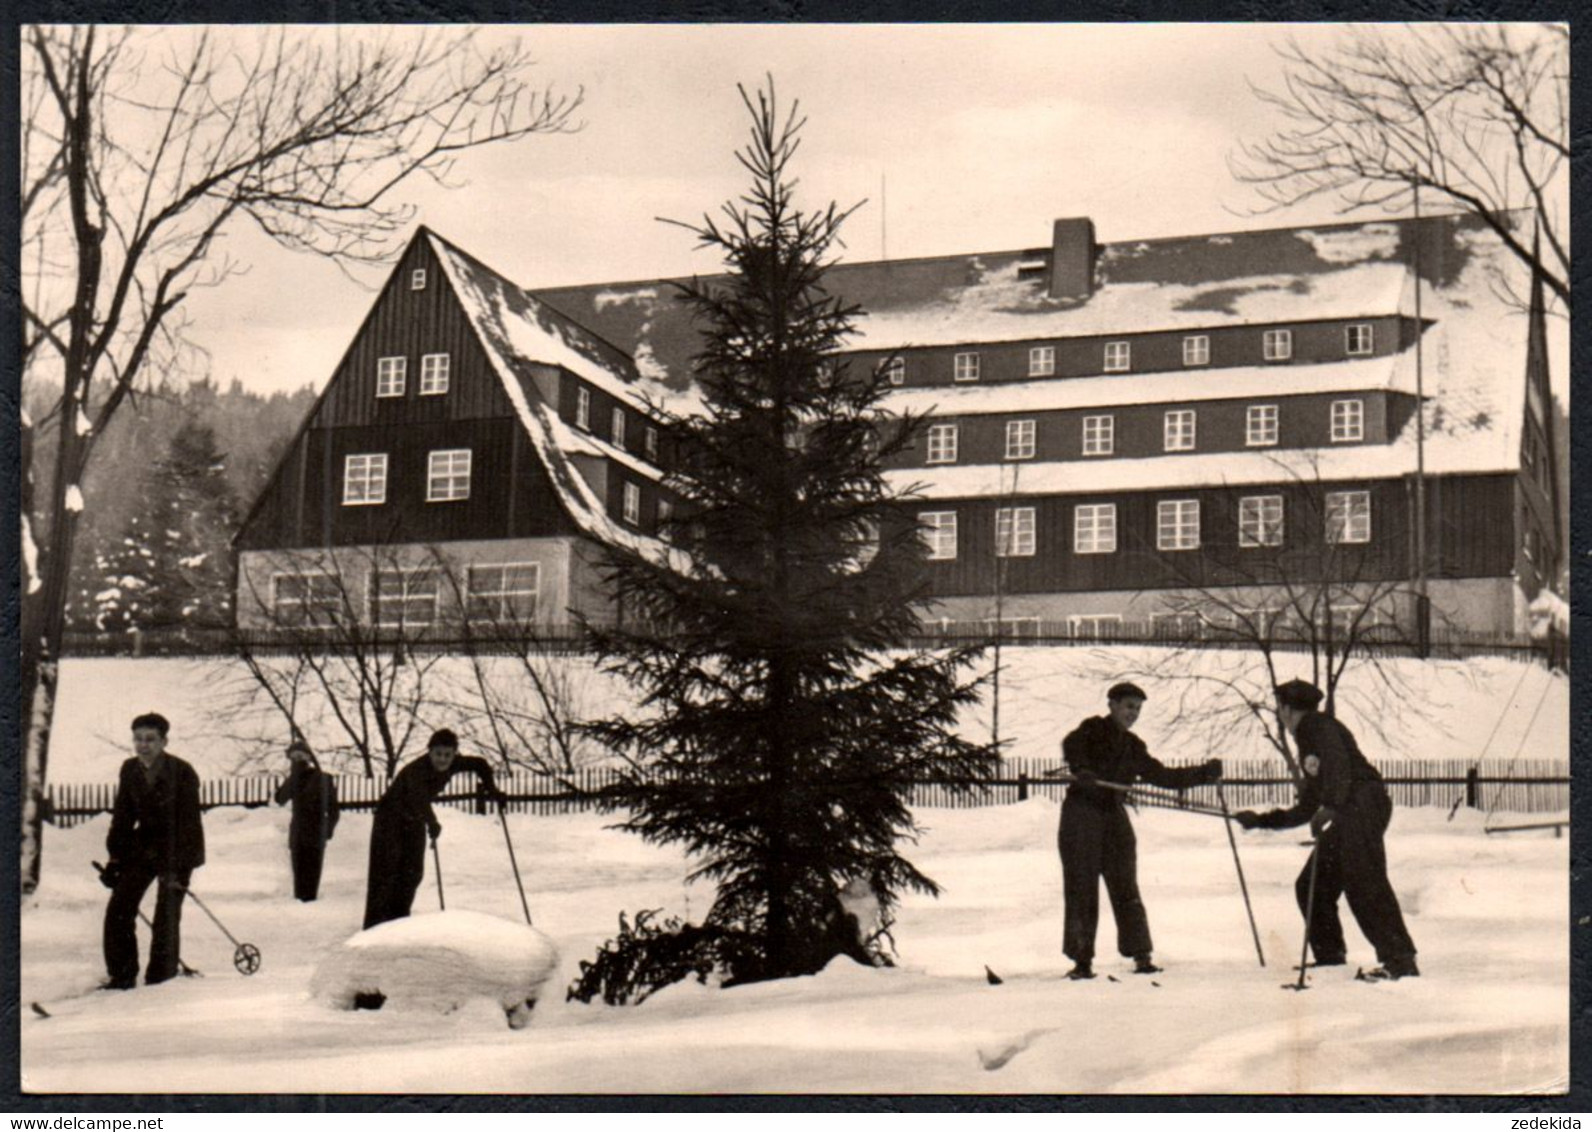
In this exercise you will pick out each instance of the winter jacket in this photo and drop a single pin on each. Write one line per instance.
(156, 820)
(1334, 771)
(1111, 754)
(314, 797)
(409, 797)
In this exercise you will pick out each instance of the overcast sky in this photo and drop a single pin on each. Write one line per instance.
(961, 138)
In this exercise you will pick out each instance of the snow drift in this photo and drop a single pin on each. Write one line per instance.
(438, 963)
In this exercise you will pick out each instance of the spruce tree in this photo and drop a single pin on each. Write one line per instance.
(171, 567)
(783, 718)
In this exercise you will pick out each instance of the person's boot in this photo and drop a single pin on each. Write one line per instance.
(1081, 970)
(1144, 965)
(1394, 969)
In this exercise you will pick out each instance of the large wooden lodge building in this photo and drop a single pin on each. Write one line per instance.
(1113, 427)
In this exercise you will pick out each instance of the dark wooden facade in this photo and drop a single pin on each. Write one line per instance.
(1465, 539)
(1314, 342)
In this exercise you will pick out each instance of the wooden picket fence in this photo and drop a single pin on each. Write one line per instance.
(1529, 786)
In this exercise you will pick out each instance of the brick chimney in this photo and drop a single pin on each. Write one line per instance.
(1072, 259)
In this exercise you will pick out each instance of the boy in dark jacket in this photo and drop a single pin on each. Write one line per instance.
(403, 818)
(315, 813)
(1096, 838)
(1348, 808)
(156, 833)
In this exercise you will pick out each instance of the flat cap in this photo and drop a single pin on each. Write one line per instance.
(1299, 694)
(1124, 690)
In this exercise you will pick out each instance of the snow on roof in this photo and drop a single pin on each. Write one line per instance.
(1107, 475)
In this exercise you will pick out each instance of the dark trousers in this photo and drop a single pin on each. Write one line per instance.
(1354, 864)
(1098, 844)
(121, 932)
(309, 854)
(397, 866)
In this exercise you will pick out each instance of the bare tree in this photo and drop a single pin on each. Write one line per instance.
(1475, 116)
(142, 150)
(1300, 591)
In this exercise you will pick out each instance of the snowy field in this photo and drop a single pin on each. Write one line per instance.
(1489, 914)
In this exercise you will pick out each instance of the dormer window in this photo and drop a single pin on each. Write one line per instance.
(1197, 350)
(1117, 356)
(1348, 421)
(965, 367)
(895, 371)
(390, 374)
(583, 408)
(1277, 345)
(651, 442)
(417, 279)
(618, 428)
(433, 374)
(632, 504)
(1041, 361)
(1358, 340)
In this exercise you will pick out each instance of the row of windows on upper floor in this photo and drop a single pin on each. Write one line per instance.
(616, 425)
(365, 478)
(1179, 431)
(1094, 525)
(1359, 340)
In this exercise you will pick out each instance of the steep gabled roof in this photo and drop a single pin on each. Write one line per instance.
(519, 332)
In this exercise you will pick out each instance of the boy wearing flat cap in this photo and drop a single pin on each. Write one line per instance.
(1096, 838)
(1348, 808)
(403, 818)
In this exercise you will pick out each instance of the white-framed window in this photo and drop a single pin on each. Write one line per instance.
(434, 374)
(616, 427)
(632, 504)
(404, 598)
(503, 592)
(1277, 345)
(1118, 357)
(1197, 350)
(1099, 435)
(583, 408)
(895, 370)
(364, 478)
(1177, 524)
(1095, 626)
(942, 443)
(1014, 532)
(390, 374)
(308, 598)
(939, 533)
(1019, 440)
(448, 475)
(650, 440)
(1260, 426)
(1179, 430)
(1260, 520)
(1094, 528)
(1358, 339)
(417, 279)
(965, 366)
(1354, 620)
(1348, 516)
(1348, 421)
(1041, 361)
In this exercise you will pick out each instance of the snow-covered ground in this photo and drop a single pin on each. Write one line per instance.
(1489, 914)
(1443, 710)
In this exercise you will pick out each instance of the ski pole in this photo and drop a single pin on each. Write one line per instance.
(245, 956)
(1239, 865)
(509, 841)
(436, 866)
(187, 971)
(1310, 911)
(1136, 795)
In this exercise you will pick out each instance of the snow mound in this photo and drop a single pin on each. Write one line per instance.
(438, 963)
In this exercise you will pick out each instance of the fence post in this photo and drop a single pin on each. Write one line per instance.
(1022, 787)
(1472, 788)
